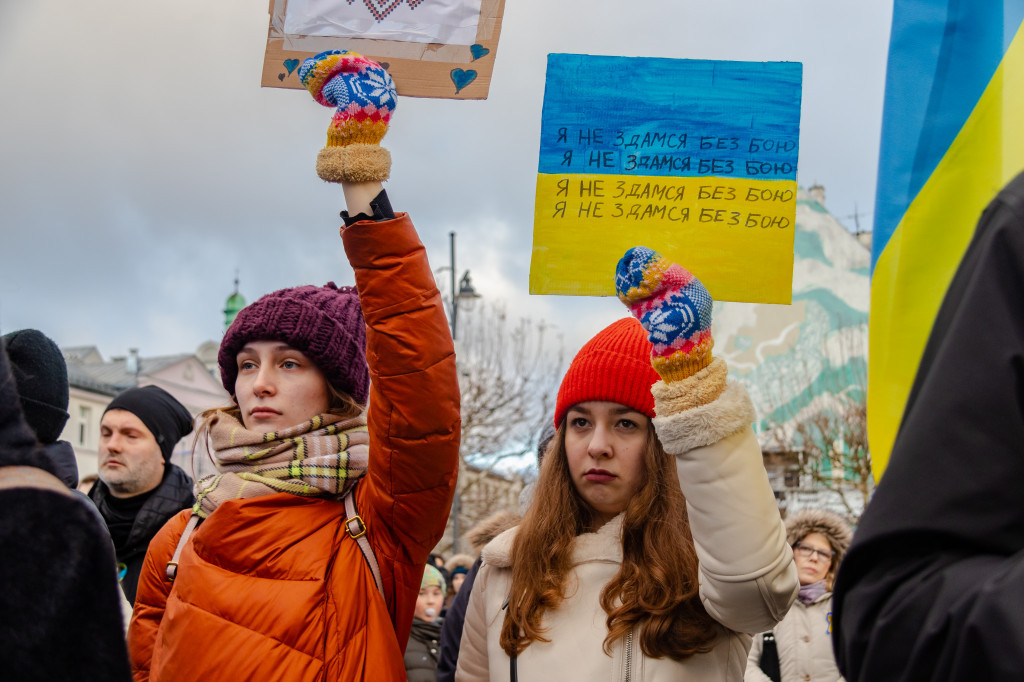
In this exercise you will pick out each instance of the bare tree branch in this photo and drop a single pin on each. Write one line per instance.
(826, 438)
(509, 372)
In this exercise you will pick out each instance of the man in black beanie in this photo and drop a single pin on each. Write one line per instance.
(138, 488)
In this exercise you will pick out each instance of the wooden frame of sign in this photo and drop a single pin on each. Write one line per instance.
(418, 69)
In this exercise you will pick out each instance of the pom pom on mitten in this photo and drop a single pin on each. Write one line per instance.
(673, 306)
(365, 97)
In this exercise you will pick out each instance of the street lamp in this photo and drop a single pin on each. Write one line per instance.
(466, 292)
(468, 295)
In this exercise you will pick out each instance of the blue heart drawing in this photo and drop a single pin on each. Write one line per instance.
(291, 65)
(478, 51)
(462, 78)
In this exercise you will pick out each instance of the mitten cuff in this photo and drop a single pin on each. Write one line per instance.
(348, 130)
(682, 365)
(354, 163)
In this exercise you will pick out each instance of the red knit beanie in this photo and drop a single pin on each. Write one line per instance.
(325, 323)
(614, 366)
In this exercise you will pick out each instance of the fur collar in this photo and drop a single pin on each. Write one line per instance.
(603, 545)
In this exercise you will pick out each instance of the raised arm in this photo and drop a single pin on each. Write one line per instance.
(414, 396)
(748, 580)
(414, 399)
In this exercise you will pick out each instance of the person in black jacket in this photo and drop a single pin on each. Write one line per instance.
(138, 488)
(933, 583)
(60, 616)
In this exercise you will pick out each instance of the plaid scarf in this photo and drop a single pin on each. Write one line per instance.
(323, 457)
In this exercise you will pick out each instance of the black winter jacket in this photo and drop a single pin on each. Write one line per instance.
(451, 631)
(172, 495)
(933, 583)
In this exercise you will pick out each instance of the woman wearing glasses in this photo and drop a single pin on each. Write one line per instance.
(800, 647)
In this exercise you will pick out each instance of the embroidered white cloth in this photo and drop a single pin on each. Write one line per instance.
(420, 21)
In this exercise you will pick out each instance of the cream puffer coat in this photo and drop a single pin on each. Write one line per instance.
(804, 643)
(748, 580)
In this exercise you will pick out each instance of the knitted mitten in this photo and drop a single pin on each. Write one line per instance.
(365, 97)
(673, 306)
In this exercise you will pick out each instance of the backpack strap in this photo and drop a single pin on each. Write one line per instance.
(356, 529)
(172, 565)
(354, 526)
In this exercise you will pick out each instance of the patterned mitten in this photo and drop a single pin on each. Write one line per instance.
(365, 97)
(673, 306)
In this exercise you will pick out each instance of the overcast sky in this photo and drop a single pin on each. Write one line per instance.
(141, 164)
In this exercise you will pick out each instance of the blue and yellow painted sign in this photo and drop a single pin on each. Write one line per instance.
(696, 159)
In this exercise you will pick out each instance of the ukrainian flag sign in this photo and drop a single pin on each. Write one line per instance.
(952, 137)
(696, 159)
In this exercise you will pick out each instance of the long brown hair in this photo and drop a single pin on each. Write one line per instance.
(656, 588)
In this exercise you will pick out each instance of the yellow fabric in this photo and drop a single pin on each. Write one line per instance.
(914, 271)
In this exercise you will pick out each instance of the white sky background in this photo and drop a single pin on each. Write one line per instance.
(141, 164)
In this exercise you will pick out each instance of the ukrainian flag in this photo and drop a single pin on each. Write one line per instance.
(952, 137)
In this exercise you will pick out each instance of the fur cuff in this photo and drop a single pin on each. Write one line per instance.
(354, 163)
(683, 430)
(698, 389)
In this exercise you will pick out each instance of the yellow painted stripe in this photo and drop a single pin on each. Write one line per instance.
(914, 271)
(735, 234)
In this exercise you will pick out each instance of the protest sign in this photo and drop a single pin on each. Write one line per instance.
(431, 48)
(696, 159)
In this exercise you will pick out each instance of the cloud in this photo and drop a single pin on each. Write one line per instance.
(142, 164)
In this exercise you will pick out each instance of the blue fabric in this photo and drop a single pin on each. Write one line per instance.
(942, 55)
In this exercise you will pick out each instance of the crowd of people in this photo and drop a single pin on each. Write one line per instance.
(649, 548)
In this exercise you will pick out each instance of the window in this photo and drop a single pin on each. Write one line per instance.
(84, 418)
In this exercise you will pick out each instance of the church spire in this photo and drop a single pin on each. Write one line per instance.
(233, 305)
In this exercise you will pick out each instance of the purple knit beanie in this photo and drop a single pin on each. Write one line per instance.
(325, 323)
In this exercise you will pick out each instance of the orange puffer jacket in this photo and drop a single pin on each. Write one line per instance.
(272, 588)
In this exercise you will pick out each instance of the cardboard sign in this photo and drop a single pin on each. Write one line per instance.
(431, 48)
(696, 159)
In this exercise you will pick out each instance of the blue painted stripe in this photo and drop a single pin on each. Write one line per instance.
(678, 117)
(942, 55)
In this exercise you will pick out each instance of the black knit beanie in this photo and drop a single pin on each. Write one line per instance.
(163, 415)
(42, 378)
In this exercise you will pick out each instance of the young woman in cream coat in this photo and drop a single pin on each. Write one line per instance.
(653, 547)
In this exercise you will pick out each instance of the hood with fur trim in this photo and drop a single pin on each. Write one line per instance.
(832, 526)
(463, 561)
(491, 527)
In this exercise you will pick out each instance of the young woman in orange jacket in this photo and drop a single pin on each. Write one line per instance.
(303, 556)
